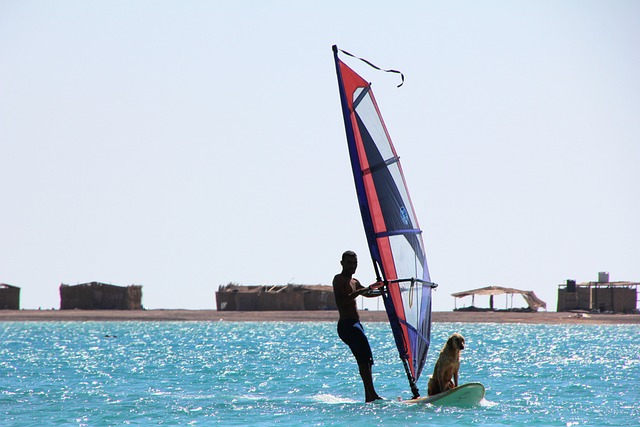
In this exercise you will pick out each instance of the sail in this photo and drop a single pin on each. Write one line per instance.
(390, 223)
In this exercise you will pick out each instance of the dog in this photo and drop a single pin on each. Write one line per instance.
(447, 366)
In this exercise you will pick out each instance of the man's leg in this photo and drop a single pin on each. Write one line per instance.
(367, 379)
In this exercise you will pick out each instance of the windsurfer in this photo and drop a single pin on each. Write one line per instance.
(350, 330)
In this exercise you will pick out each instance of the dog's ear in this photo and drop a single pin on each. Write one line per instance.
(451, 342)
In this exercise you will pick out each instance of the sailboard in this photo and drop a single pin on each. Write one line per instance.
(470, 394)
(390, 223)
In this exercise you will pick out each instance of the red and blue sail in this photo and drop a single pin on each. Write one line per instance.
(390, 223)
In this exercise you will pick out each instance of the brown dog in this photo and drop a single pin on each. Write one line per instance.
(447, 366)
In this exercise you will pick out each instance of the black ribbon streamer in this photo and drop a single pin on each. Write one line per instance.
(375, 66)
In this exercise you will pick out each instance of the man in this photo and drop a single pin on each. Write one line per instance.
(345, 290)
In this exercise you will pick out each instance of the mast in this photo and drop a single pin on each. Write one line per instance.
(355, 166)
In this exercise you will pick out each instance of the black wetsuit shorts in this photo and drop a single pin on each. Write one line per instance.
(352, 333)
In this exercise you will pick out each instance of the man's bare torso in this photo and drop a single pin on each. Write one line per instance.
(343, 286)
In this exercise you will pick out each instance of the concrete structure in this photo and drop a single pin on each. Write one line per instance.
(290, 297)
(100, 296)
(9, 297)
(602, 296)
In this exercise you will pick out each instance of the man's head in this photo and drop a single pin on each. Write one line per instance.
(349, 262)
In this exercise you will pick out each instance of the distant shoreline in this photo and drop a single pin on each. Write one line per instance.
(310, 316)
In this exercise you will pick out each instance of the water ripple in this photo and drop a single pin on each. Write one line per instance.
(300, 373)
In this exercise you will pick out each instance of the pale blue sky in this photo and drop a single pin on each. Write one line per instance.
(181, 145)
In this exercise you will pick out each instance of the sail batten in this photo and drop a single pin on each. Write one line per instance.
(391, 226)
(382, 165)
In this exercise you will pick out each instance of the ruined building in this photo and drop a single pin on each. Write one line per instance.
(290, 297)
(100, 296)
(603, 296)
(9, 297)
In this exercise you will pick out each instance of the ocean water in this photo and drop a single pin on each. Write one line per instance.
(263, 374)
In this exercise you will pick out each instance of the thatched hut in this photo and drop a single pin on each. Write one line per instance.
(289, 297)
(9, 297)
(533, 302)
(100, 296)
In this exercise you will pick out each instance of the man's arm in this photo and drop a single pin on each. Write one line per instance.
(343, 291)
(373, 290)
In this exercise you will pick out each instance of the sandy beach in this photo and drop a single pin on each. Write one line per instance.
(309, 316)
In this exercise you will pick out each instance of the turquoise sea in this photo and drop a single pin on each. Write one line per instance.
(262, 374)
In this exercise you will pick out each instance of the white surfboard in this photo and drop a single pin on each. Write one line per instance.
(466, 395)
